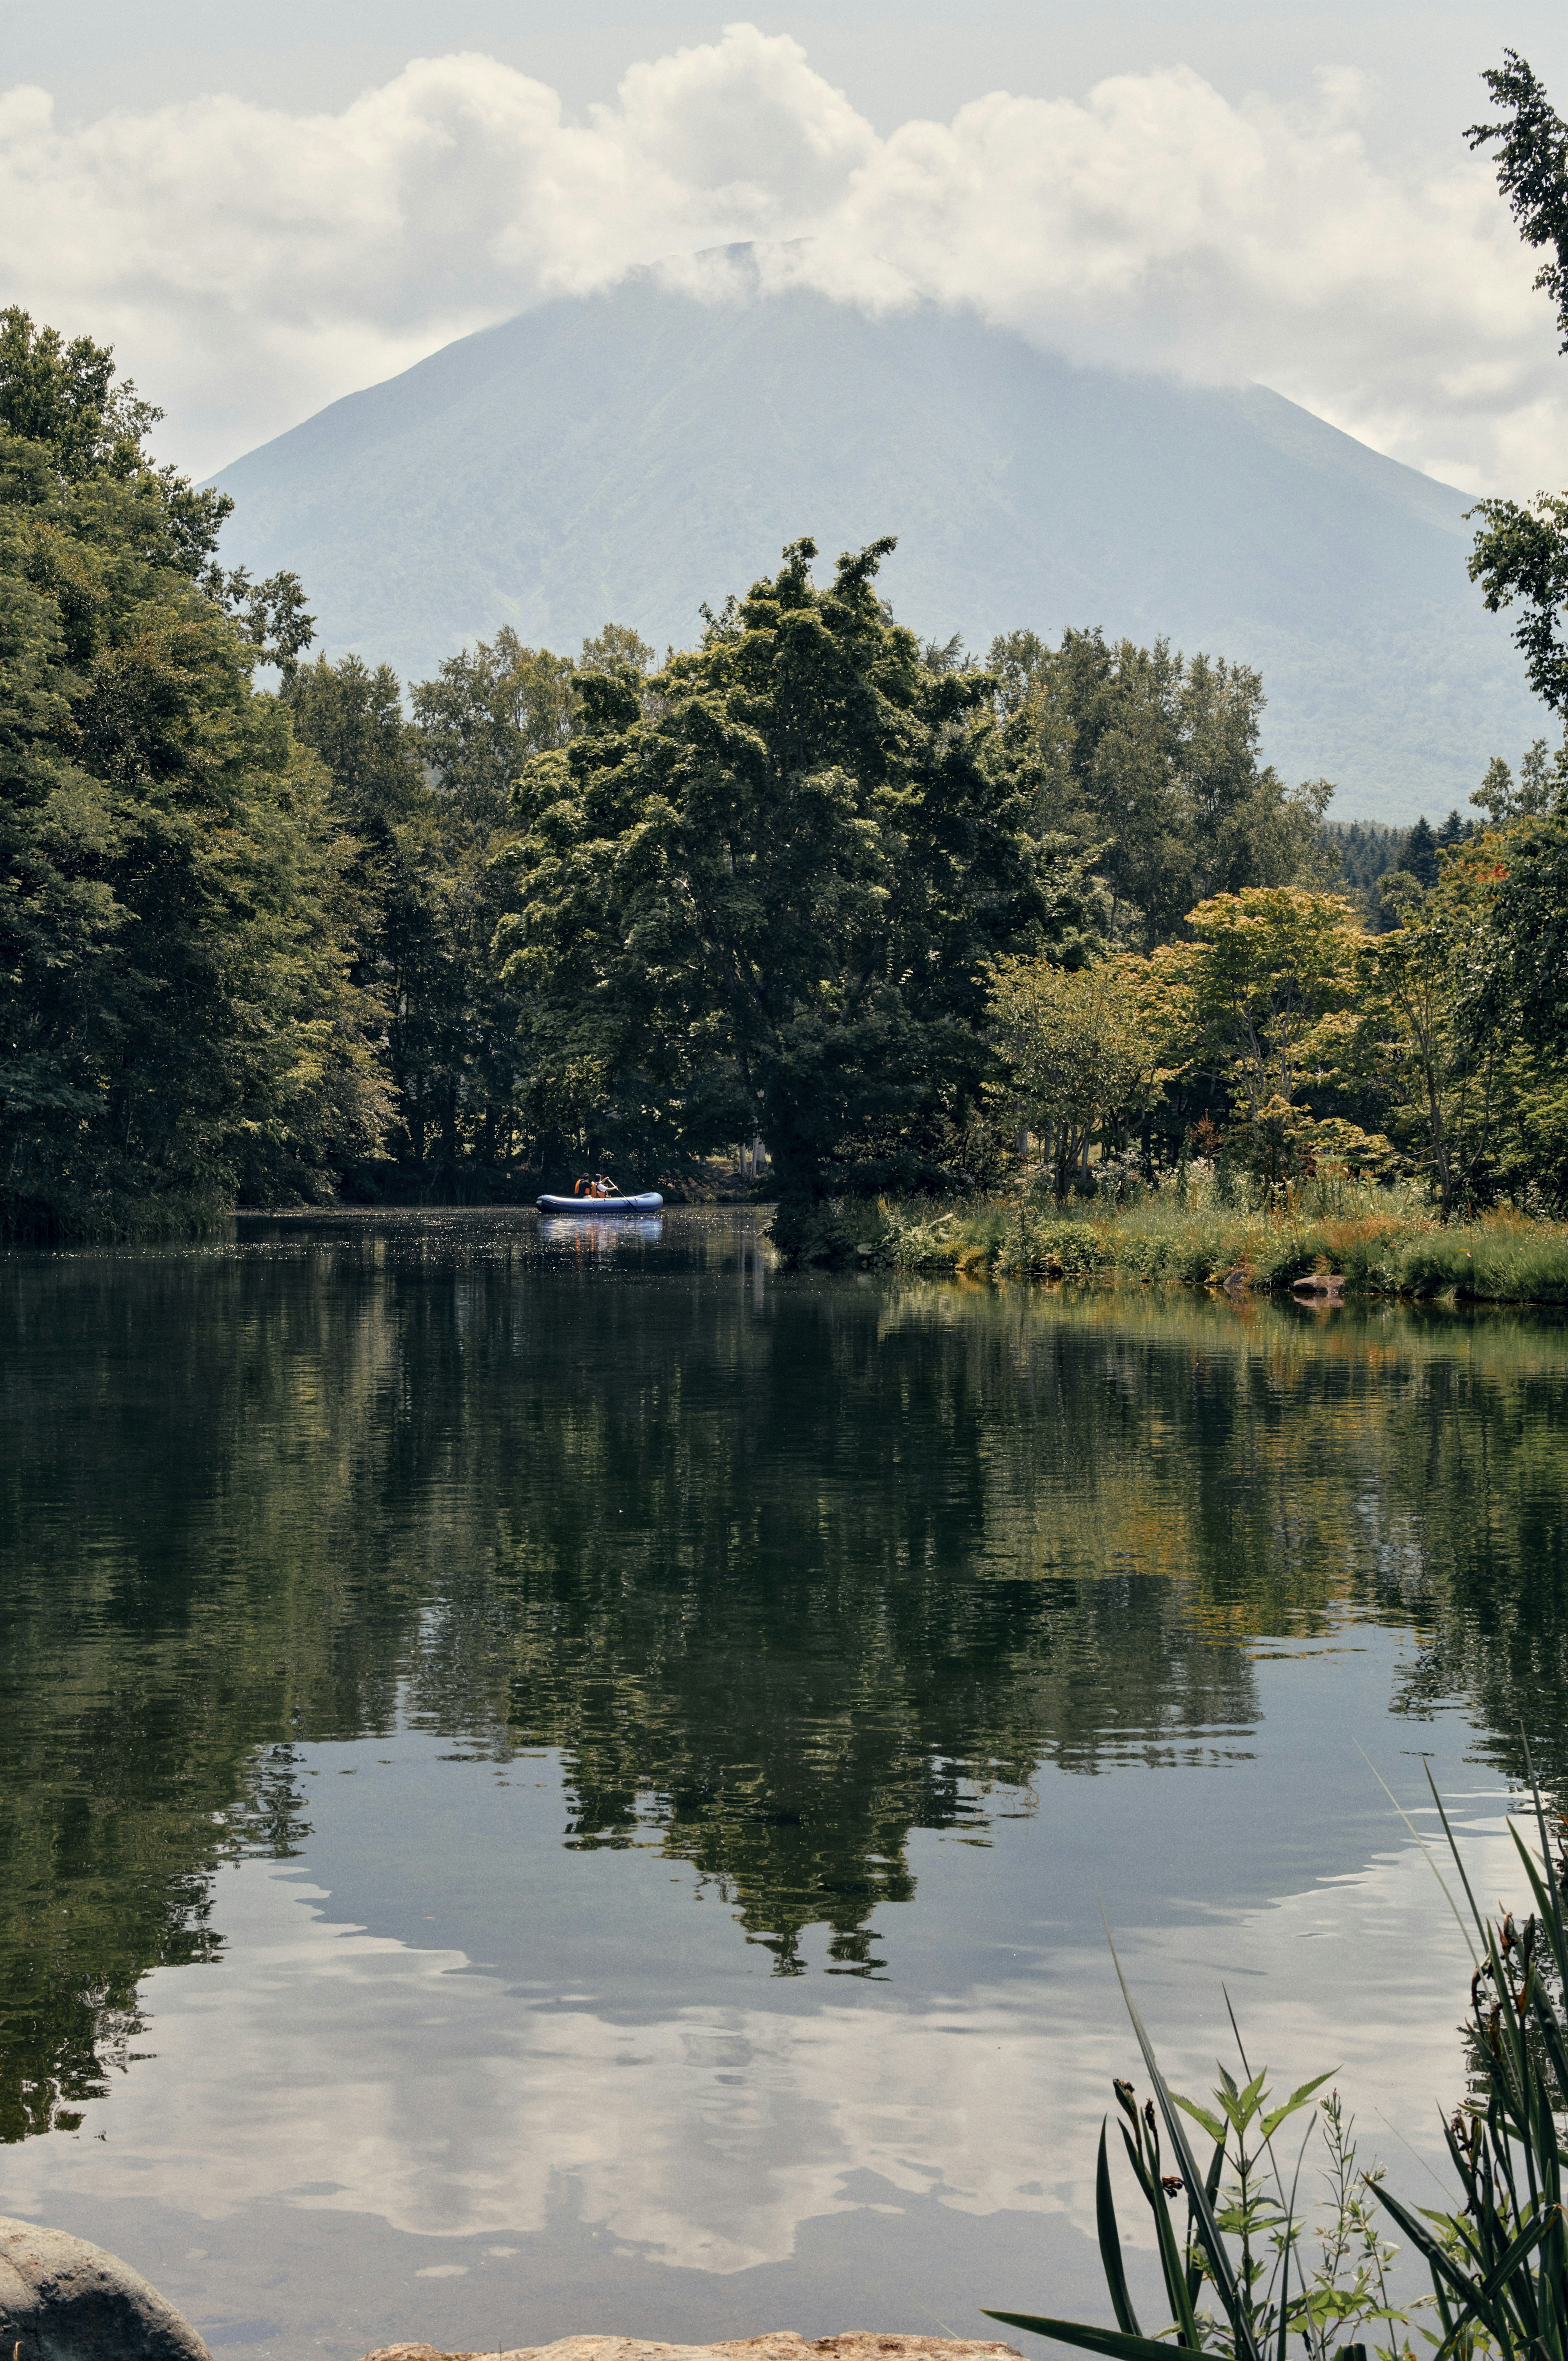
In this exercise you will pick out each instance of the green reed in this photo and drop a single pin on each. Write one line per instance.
(1497, 2260)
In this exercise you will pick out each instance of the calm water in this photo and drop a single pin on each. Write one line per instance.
(566, 1782)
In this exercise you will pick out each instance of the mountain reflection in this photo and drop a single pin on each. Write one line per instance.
(785, 1570)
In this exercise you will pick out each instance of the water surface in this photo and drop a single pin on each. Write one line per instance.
(555, 1779)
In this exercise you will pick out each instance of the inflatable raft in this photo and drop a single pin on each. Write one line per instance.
(649, 1202)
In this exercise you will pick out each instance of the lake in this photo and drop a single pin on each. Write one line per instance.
(556, 1779)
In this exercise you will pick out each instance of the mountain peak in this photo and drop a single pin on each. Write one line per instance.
(633, 454)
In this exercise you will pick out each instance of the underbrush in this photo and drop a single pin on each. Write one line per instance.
(1380, 1241)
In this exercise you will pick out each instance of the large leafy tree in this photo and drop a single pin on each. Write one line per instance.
(761, 888)
(1521, 557)
(1152, 759)
(427, 804)
(178, 1021)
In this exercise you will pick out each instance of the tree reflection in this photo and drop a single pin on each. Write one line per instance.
(785, 1571)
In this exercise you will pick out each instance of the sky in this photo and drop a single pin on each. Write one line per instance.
(263, 212)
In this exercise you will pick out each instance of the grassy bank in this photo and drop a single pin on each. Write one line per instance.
(1380, 1241)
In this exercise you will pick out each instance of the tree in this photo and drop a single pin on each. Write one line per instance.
(426, 803)
(1266, 994)
(1076, 1048)
(475, 726)
(1152, 759)
(1418, 854)
(762, 892)
(1539, 783)
(1422, 1051)
(178, 1019)
(616, 649)
(1521, 551)
(1461, 1025)
(1525, 988)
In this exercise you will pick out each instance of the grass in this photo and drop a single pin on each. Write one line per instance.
(1498, 2262)
(1381, 1241)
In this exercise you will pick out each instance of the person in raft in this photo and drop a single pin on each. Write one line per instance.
(598, 1187)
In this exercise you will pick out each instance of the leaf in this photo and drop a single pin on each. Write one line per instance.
(1229, 2292)
(1110, 2245)
(1528, 2237)
(1273, 2120)
(1468, 2289)
(1089, 2340)
(1210, 2123)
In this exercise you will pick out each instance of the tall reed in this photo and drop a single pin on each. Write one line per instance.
(1497, 2261)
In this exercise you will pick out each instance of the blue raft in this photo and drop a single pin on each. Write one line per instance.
(649, 1202)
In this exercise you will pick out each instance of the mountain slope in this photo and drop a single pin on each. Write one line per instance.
(632, 455)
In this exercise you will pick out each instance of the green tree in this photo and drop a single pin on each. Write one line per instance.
(1540, 784)
(475, 726)
(1525, 989)
(1440, 1074)
(1418, 854)
(178, 1017)
(616, 649)
(1520, 555)
(763, 890)
(426, 801)
(1152, 758)
(1077, 1050)
(1267, 994)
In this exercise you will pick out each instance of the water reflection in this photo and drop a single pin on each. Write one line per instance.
(781, 1572)
(603, 1233)
(349, 2074)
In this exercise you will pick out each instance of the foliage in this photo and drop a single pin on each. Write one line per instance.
(179, 1021)
(760, 894)
(1150, 761)
(1264, 997)
(1379, 1241)
(1532, 170)
(428, 804)
(1271, 968)
(808, 880)
(1077, 1050)
(1243, 2240)
(1500, 2262)
(1439, 1069)
(1521, 551)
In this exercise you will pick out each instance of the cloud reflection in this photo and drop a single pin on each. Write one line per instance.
(336, 2068)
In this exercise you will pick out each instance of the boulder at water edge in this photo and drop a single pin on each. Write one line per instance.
(63, 2299)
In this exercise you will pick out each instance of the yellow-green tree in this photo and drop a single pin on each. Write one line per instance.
(1268, 989)
(1078, 1048)
(1420, 1044)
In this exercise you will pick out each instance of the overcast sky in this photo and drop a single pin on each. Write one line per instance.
(263, 212)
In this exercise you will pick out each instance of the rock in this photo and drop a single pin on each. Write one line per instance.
(1322, 1287)
(63, 2299)
(779, 2344)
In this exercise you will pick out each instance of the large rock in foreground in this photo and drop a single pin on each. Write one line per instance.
(63, 2299)
(780, 2344)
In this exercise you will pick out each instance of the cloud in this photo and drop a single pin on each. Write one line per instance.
(250, 264)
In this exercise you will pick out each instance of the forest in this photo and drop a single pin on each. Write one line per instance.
(278, 929)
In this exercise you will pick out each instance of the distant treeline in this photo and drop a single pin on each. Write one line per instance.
(345, 936)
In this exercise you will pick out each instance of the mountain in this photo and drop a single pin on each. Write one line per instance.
(628, 455)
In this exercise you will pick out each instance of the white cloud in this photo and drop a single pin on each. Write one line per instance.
(250, 264)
